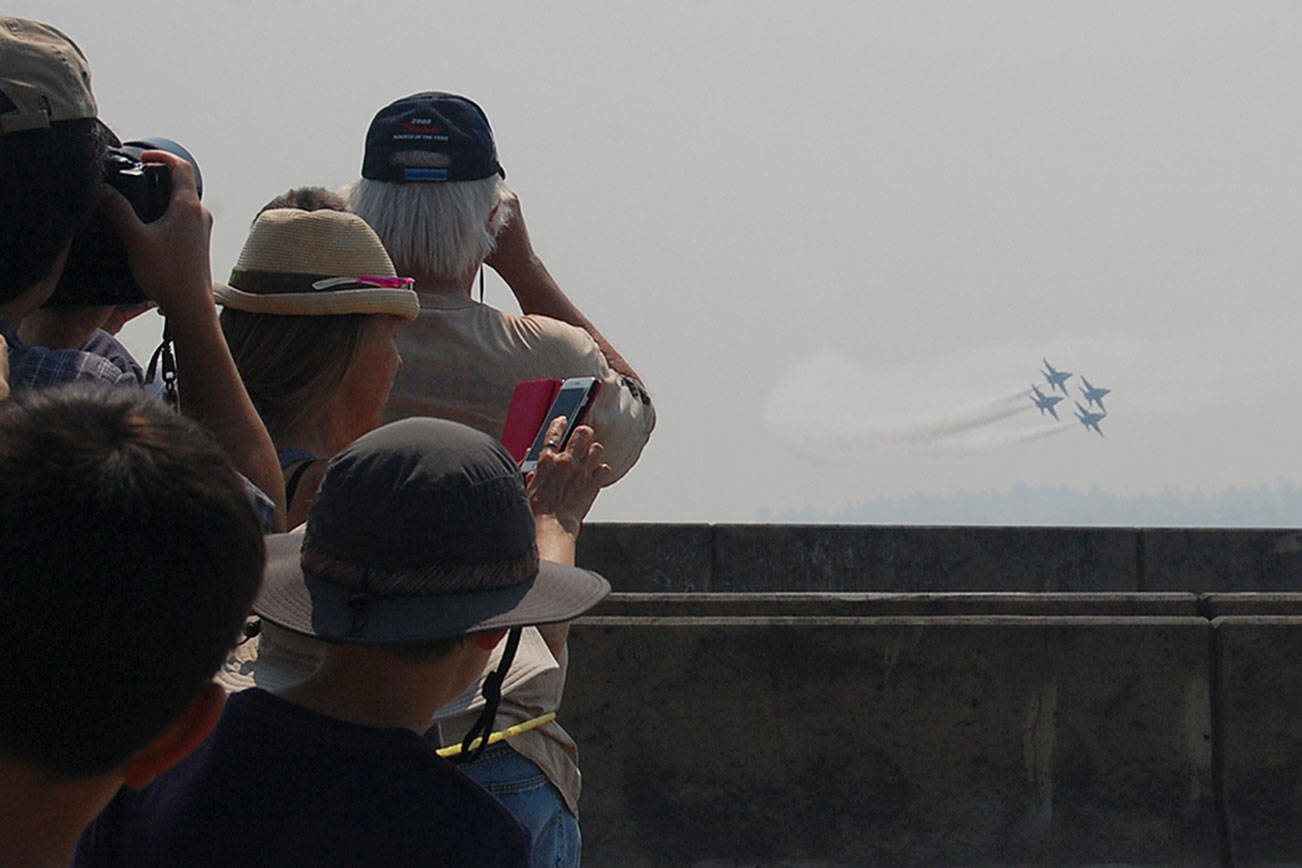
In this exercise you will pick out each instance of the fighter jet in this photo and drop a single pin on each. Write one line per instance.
(1057, 379)
(1092, 395)
(1045, 402)
(1090, 420)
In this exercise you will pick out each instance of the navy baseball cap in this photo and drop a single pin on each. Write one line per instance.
(436, 123)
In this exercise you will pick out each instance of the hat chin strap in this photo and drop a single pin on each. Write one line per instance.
(492, 697)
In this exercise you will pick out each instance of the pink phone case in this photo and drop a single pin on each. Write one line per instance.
(529, 405)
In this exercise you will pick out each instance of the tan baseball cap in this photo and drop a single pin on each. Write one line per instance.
(43, 74)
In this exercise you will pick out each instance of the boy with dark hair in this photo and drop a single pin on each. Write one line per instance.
(423, 548)
(129, 555)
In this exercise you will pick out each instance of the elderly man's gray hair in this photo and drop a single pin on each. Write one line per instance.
(441, 230)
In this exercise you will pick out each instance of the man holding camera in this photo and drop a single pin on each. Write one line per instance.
(53, 150)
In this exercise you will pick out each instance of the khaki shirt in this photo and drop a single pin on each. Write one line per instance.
(461, 360)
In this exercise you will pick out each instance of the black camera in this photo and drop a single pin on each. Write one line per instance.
(98, 272)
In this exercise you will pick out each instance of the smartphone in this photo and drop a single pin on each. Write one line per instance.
(572, 402)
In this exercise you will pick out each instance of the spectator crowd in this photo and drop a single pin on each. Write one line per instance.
(280, 595)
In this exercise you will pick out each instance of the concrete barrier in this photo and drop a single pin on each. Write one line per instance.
(754, 558)
(848, 740)
(821, 558)
(873, 604)
(1250, 603)
(810, 695)
(1211, 559)
(1259, 669)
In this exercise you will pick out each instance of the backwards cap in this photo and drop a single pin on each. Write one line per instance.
(436, 123)
(44, 77)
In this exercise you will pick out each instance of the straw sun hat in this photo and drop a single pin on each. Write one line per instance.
(315, 263)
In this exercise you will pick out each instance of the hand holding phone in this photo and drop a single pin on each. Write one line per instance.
(572, 402)
(562, 489)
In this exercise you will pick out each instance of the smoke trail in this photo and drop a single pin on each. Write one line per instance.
(830, 405)
(929, 434)
(951, 426)
(992, 440)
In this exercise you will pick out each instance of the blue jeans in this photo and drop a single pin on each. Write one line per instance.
(519, 785)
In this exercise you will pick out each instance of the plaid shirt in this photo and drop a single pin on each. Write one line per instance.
(35, 367)
(38, 367)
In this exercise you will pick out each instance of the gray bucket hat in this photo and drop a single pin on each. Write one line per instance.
(421, 530)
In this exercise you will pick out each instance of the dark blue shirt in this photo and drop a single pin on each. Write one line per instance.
(278, 784)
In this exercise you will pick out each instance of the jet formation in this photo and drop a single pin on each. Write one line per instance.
(1057, 381)
(1045, 402)
(1094, 396)
(1088, 419)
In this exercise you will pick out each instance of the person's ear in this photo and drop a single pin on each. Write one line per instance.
(177, 740)
(488, 639)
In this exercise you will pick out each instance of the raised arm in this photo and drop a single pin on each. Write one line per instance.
(561, 492)
(169, 259)
(535, 289)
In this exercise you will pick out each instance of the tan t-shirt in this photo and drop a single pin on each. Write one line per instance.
(461, 360)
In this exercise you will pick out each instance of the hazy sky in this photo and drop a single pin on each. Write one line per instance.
(835, 239)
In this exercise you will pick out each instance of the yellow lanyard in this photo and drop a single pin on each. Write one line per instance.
(501, 734)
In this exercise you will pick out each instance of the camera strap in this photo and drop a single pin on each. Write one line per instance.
(478, 737)
(164, 359)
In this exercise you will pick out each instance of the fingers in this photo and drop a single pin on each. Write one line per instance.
(588, 453)
(123, 217)
(581, 458)
(579, 440)
(510, 203)
(577, 448)
(555, 431)
(552, 440)
(180, 169)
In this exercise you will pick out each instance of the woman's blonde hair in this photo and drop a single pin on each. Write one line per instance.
(291, 365)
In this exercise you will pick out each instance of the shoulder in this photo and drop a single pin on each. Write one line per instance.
(563, 339)
(555, 328)
(105, 345)
(35, 367)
